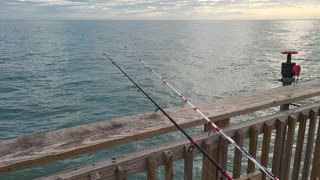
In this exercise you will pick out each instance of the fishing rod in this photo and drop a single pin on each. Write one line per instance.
(223, 171)
(210, 122)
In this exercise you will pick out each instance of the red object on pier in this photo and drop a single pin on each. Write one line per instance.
(296, 69)
(289, 52)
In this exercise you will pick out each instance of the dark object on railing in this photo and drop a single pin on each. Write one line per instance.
(288, 71)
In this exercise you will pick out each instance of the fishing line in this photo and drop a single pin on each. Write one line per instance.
(194, 143)
(210, 122)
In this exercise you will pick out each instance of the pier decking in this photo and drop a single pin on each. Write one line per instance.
(30, 151)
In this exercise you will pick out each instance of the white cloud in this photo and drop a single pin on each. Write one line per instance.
(157, 9)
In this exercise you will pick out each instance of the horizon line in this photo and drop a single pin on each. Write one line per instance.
(58, 19)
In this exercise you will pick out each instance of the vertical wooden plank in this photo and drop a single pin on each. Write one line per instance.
(205, 162)
(278, 147)
(299, 146)
(267, 130)
(168, 165)
(239, 138)
(215, 155)
(121, 173)
(252, 148)
(310, 142)
(215, 150)
(288, 150)
(151, 168)
(188, 163)
(316, 156)
(223, 153)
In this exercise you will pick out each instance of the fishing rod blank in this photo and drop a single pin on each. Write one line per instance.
(224, 172)
(210, 122)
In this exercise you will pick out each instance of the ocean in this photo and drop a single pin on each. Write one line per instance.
(53, 74)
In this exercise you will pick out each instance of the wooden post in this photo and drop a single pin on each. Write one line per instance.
(188, 163)
(267, 130)
(168, 161)
(316, 156)
(151, 168)
(215, 150)
(252, 148)
(205, 162)
(288, 151)
(223, 153)
(278, 147)
(310, 142)
(215, 155)
(239, 138)
(121, 173)
(299, 146)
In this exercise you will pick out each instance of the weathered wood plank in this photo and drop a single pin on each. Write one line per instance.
(310, 143)
(151, 168)
(135, 162)
(316, 156)
(252, 148)
(215, 155)
(29, 151)
(267, 131)
(207, 146)
(223, 153)
(288, 150)
(212, 172)
(239, 138)
(121, 173)
(188, 163)
(168, 165)
(278, 147)
(299, 146)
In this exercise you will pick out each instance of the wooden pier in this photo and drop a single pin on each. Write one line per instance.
(289, 140)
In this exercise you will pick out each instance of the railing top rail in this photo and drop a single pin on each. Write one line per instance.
(29, 151)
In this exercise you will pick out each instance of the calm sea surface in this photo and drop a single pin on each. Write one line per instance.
(53, 74)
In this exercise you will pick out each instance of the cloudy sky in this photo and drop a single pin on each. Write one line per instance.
(160, 9)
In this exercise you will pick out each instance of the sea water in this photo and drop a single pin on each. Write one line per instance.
(53, 74)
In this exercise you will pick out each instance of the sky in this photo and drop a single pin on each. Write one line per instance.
(160, 9)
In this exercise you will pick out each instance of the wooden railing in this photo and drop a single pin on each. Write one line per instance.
(284, 163)
(30, 151)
